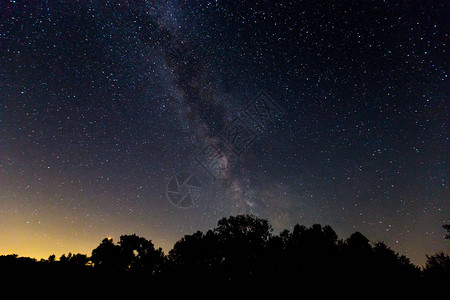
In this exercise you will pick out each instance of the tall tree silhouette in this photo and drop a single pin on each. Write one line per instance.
(310, 253)
(107, 256)
(139, 254)
(233, 251)
(241, 241)
(196, 256)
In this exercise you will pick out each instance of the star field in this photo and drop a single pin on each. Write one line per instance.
(102, 102)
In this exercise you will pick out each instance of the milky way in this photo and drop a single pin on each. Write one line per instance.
(103, 102)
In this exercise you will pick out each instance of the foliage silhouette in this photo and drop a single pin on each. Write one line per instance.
(447, 227)
(139, 254)
(241, 250)
(107, 256)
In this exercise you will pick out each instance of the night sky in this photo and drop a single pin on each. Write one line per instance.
(161, 117)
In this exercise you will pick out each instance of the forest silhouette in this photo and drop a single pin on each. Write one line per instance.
(242, 251)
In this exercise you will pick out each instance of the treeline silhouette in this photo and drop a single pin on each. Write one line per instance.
(242, 250)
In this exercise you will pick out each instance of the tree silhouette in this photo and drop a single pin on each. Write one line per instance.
(447, 227)
(309, 253)
(195, 256)
(439, 264)
(139, 254)
(79, 259)
(132, 253)
(231, 251)
(242, 250)
(241, 241)
(51, 258)
(359, 244)
(107, 256)
(391, 265)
